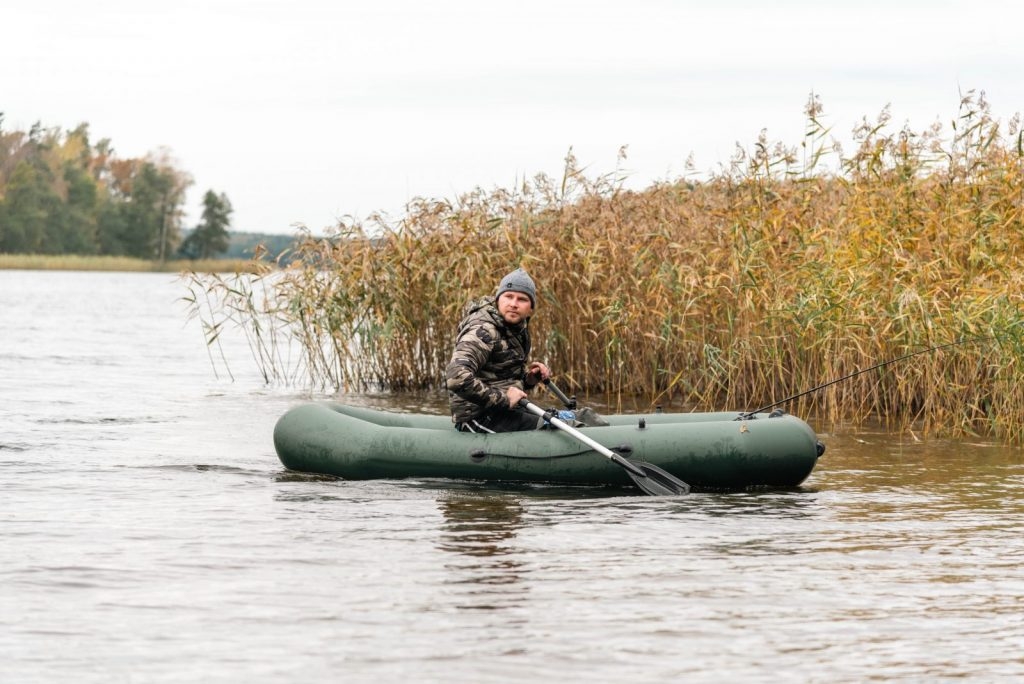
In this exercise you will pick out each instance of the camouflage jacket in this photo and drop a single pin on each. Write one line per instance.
(490, 356)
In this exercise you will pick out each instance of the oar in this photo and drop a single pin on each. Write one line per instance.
(649, 478)
(569, 403)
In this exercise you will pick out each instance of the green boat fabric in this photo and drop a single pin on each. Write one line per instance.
(713, 451)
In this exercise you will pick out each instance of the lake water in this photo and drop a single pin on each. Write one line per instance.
(148, 533)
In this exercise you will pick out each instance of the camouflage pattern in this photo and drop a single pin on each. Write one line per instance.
(490, 356)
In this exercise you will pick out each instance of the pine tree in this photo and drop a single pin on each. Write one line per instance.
(210, 237)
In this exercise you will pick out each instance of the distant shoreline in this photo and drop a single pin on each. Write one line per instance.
(74, 262)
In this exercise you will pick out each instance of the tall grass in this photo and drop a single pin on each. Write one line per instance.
(788, 268)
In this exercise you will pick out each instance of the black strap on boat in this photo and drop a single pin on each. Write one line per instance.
(478, 455)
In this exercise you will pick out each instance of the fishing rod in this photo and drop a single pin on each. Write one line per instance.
(965, 340)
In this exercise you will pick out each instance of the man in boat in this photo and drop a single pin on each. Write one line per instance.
(489, 371)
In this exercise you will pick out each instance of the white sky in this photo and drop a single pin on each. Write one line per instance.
(303, 111)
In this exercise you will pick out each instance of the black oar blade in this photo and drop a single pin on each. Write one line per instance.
(656, 482)
(650, 478)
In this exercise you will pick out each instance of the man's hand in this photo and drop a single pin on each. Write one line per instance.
(537, 372)
(514, 394)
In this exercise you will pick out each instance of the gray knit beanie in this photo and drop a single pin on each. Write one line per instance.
(519, 281)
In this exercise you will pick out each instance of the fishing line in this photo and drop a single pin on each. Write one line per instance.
(966, 340)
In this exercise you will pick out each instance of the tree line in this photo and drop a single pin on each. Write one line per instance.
(60, 193)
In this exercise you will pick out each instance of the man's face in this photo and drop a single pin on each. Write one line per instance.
(514, 307)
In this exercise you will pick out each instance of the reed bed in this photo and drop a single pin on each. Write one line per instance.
(791, 267)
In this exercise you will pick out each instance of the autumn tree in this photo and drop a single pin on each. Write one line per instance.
(143, 218)
(59, 194)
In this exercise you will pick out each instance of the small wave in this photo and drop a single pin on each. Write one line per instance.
(200, 468)
(104, 420)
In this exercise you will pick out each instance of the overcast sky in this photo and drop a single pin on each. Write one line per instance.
(303, 111)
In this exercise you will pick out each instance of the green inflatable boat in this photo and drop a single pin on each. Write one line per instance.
(708, 451)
